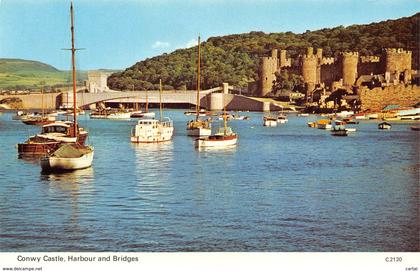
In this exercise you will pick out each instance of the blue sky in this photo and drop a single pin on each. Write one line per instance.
(117, 34)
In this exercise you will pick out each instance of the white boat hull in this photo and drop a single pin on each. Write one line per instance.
(270, 123)
(324, 126)
(199, 131)
(282, 121)
(60, 163)
(204, 143)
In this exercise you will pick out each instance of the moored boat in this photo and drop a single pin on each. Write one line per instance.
(415, 128)
(324, 124)
(51, 136)
(225, 137)
(151, 130)
(70, 156)
(199, 127)
(384, 126)
(282, 118)
(38, 120)
(269, 121)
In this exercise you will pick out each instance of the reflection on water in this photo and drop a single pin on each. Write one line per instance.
(75, 176)
(153, 159)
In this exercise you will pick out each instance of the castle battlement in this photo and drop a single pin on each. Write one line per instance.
(328, 61)
(369, 59)
(397, 51)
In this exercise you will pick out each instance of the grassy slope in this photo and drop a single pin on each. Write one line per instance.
(18, 72)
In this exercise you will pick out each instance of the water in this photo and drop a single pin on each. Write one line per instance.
(289, 188)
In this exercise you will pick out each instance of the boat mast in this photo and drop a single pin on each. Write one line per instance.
(224, 120)
(198, 82)
(42, 101)
(147, 103)
(160, 98)
(73, 64)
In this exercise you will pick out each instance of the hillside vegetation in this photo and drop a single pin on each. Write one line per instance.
(27, 74)
(234, 58)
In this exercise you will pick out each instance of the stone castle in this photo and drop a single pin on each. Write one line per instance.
(349, 70)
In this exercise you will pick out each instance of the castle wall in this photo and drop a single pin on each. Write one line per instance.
(397, 60)
(377, 98)
(367, 68)
(330, 73)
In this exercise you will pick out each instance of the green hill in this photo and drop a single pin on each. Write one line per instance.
(28, 74)
(234, 58)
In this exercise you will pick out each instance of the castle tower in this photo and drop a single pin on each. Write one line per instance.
(349, 62)
(397, 61)
(284, 61)
(309, 69)
(268, 68)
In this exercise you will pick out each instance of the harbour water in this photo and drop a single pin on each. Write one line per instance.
(289, 188)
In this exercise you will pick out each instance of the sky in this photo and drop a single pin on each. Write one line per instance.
(117, 34)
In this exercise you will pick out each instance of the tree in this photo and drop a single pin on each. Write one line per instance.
(287, 82)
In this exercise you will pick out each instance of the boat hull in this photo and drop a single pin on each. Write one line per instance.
(38, 148)
(270, 123)
(208, 143)
(67, 164)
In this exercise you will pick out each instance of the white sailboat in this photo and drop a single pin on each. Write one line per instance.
(269, 121)
(198, 127)
(225, 137)
(70, 156)
(151, 130)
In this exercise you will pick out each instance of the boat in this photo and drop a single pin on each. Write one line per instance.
(39, 119)
(282, 118)
(146, 114)
(360, 116)
(350, 121)
(20, 115)
(312, 124)
(303, 115)
(51, 136)
(324, 124)
(415, 128)
(269, 121)
(69, 156)
(136, 114)
(225, 137)
(338, 131)
(384, 126)
(152, 130)
(238, 117)
(111, 114)
(344, 114)
(117, 115)
(199, 127)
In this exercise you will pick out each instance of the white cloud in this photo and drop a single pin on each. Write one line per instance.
(160, 44)
(191, 43)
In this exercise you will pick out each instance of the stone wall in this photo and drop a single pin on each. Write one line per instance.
(34, 101)
(377, 98)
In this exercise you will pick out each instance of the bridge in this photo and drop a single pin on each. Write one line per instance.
(168, 97)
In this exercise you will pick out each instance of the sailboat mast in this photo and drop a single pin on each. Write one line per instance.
(42, 101)
(224, 120)
(73, 64)
(198, 81)
(160, 98)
